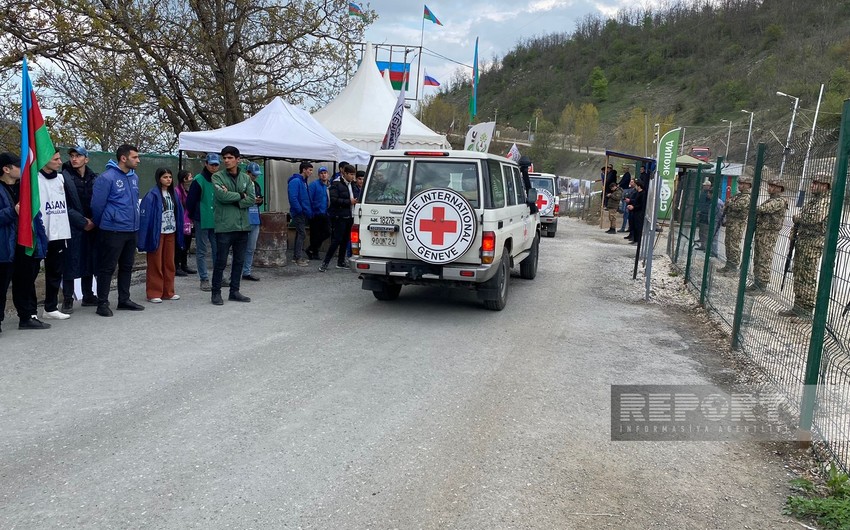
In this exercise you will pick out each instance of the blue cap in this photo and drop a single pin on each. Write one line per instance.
(213, 159)
(323, 168)
(80, 150)
(253, 168)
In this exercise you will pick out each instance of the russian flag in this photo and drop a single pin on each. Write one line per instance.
(430, 81)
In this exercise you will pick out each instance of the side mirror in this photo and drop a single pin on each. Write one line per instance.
(531, 200)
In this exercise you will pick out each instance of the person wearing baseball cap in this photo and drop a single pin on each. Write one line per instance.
(82, 247)
(809, 233)
(320, 223)
(199, 204)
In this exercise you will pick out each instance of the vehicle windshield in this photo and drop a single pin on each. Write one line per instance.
(543, 183)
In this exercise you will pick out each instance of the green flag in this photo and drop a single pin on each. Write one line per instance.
(668, 148)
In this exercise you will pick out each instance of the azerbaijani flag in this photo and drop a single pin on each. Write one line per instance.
(430, 81)
(398, 73)
(430, 16)
(355, 10)
(473, 99)
(36, 151)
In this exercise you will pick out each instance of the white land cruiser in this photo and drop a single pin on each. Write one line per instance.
(548, 199)
(449, 218)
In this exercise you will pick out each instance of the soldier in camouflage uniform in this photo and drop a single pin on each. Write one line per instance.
(615, 195)
(736, 211)
(809, 231)
(770, 216)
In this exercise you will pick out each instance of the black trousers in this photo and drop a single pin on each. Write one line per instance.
(54, 264)
(115, 249)
(320, 230)
(5, 281)
(339, 240)
(86, 268)
(224, 241)
(24, 272)
(181, 255)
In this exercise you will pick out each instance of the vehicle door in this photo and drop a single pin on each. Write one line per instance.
(379, 213)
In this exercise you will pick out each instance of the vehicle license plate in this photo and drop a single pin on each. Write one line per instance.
(384, 239)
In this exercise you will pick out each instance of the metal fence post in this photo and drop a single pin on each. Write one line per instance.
(748, 243)
(693, 226)
(712, 220)
(683, 196)
(827, 269)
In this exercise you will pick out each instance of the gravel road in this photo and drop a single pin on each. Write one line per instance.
(316, 406)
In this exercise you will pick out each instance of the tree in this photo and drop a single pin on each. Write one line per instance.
(598, 84)
(544, 139)
(567, 124)
(198, 64)
(631, 136)
(587, 124)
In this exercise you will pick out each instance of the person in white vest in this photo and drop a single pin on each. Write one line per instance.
(54, 212)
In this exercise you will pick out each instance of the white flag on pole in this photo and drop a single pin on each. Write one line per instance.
(394, 128)
(478, 137)
(513, 154)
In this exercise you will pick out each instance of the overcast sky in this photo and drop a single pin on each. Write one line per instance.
(499, 25)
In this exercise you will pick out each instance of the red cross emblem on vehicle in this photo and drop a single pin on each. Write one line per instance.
(438, 225)
(541, 201)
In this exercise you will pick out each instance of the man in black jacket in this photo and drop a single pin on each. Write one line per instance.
(341, 212)
(81, 252)
(637, 208)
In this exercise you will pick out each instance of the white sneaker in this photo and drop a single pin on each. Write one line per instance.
(155, 300)
(56, 315)
(175, 297)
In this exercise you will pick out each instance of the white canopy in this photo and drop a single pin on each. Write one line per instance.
(279, 130)
(361, 113)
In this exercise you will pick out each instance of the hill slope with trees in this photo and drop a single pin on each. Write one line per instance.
(691, 64)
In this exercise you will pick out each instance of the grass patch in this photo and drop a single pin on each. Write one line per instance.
(828, 506)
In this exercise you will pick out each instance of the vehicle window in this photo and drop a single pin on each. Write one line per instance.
(520, 188)
(388, 182)
(510, 190)
(497, 184)
(542, 183)
(461, 177)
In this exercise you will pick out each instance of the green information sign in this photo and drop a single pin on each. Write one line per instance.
(668, 149)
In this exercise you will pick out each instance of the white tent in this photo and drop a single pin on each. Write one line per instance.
(361, 113)
(279, 130)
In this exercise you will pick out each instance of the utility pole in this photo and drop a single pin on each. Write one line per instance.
(728, 137)
(749, 135)
(790, 129)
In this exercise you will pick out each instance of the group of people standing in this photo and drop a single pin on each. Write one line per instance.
(627, 196)
(327, 206)
(807, 236)
(89, 225)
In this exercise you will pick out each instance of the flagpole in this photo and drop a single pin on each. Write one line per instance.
(421, 42)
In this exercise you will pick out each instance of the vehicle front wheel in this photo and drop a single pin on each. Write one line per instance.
(388, 292)
(528, 266)
(501, 282)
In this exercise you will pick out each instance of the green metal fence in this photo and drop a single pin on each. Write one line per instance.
(792, 318)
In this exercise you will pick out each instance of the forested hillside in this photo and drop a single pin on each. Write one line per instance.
(692, 64)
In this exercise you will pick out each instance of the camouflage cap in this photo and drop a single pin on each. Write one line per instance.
(774, 181)
(822, 176)
(746, 176)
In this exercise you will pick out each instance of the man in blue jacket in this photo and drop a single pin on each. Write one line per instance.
(115, 211)
(320, 225)
(300, 209)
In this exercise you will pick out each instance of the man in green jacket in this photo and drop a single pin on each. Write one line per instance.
(233, 195)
